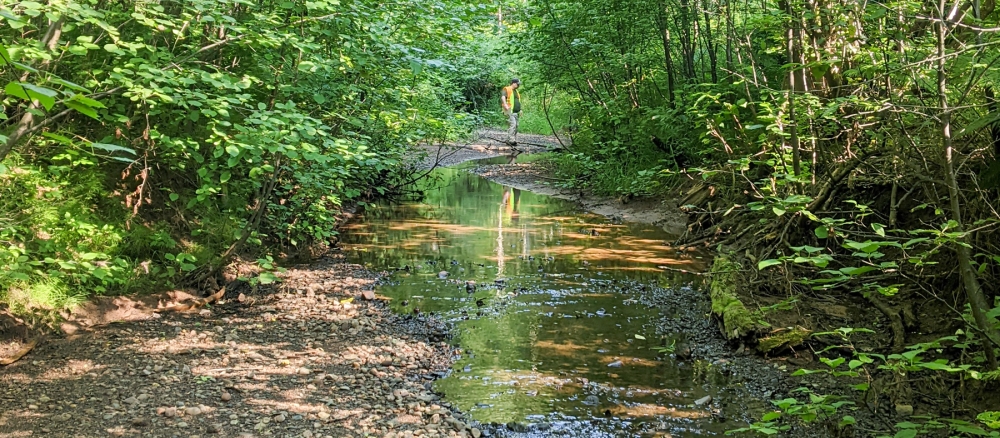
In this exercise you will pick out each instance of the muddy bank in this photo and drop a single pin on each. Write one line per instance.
(311, 358)
(484, 143)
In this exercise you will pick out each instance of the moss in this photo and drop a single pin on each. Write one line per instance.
(737, 321)
(785, 338)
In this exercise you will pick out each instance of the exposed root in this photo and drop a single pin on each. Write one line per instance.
(195, 305)
(895, 320)
(20, 353)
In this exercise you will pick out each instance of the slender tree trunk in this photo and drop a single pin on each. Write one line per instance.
(970, 281)
(793, 130)
(729, 37)
(661, 21)
(711, 46)
(49, 41)
(687, 43)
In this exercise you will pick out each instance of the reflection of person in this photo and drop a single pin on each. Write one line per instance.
(510, 100)
(511, 199)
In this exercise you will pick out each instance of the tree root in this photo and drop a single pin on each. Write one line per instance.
(895, 320)
(20, 353)
(195, 305)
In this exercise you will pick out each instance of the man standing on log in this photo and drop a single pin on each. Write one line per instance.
(510, 99)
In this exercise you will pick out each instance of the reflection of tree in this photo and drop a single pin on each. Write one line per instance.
(502, 350)
(508, 207)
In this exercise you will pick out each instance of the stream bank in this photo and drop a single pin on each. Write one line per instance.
(308, 358)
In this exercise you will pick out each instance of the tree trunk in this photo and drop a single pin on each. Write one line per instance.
(970, 281)
(793, 86)
(711, 46)
(664, 30)
(23, 126)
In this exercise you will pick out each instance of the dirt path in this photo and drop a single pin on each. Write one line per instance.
(309, 359)
(484, 143)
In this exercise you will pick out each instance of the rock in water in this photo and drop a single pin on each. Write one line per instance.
(615, 364)
(703, 401)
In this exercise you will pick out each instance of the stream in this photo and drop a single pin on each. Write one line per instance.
(565, 323)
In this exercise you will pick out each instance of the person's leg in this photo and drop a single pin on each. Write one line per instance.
(517, 119)
(511, 127)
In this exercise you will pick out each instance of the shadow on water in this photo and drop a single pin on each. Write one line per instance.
(555, 311)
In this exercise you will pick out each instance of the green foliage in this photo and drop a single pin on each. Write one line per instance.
(159, 135)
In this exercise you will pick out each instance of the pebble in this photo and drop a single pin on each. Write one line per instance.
(703, 401)
(226, 396)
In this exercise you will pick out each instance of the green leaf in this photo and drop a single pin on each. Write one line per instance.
(174, 197)
(29, 92)
(67, 84)
(778, 210)
(905, 433)
(112, 148)
(267, 278)
(641, 337)
(822, 232)
(87, 101)
(771, 416)
(416, 67)
(319, 98)
(224, 178)
(879, 229)
(766, 263)
(82, 109)
(847, 420)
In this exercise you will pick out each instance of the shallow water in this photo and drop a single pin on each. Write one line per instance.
(553, 333)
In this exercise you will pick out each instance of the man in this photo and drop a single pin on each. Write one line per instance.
(510, 99)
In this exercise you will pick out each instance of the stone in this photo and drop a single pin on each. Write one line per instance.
(703, 401)
(193, 411)
(904, 410)
(476, 433)
(226, 396)
(615, 364)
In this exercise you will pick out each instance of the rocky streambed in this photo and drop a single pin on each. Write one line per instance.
(309, 358)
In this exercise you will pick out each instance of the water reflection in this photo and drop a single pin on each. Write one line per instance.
(550, 327)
